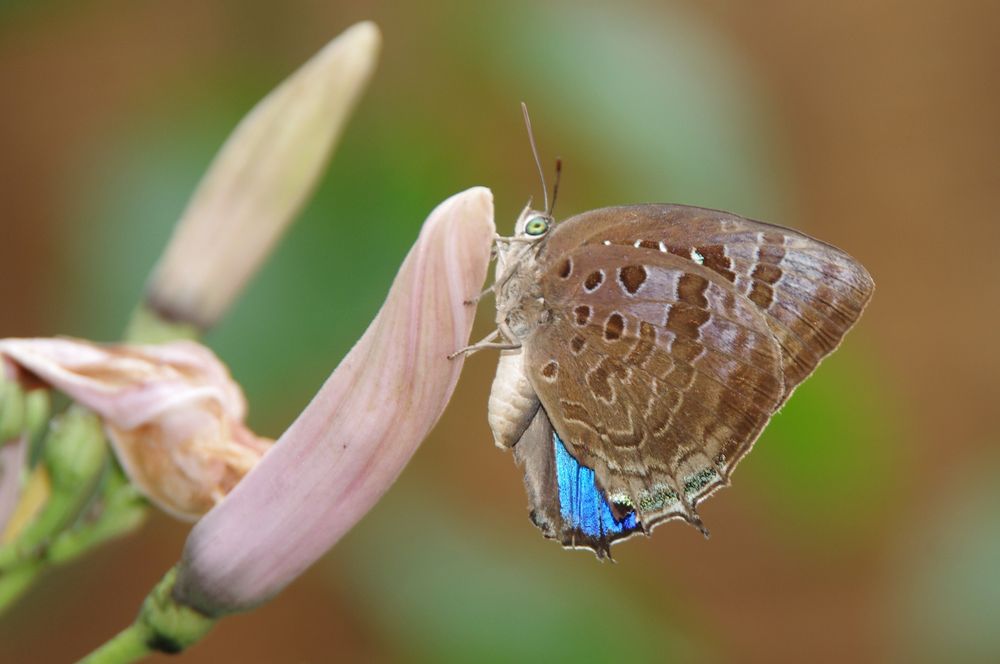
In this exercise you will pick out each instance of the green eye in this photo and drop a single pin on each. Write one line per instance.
(537, 226)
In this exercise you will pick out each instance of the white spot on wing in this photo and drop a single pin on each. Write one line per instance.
(697, 257)
(663, 247)
(607, 243)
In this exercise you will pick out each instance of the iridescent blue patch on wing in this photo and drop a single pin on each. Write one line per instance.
(580, 501)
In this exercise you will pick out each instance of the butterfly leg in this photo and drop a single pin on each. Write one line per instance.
(504, 276)
(477, 298)
(485, 343)
(505, 268)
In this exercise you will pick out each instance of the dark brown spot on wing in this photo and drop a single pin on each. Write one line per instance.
(716, 260)
(577, 344)
(574, 412)
(632, 278)
(551, 369)
(687, 315)
(761, 295)
(582, 314)
(566, 268)
(597, 381)
(767, 273)
(593, 280)
(691, 290)
(614, 327)
(644, 346)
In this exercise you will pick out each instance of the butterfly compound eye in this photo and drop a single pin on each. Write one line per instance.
(536, 226)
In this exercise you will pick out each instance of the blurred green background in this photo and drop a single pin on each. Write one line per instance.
(864, 526)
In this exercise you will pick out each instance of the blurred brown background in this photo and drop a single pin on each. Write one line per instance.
(864, 526)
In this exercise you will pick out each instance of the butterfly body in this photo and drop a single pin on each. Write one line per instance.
(651, 345)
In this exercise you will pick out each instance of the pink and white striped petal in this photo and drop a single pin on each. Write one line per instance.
(351, 442)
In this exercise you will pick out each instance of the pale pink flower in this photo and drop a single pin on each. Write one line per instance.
(348, 446)
(172, 412)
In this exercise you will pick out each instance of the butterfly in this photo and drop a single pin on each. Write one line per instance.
(643, 350)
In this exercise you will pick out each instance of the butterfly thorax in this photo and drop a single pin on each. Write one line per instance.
(520, 305)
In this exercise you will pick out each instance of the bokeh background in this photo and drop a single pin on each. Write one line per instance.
(864, 526)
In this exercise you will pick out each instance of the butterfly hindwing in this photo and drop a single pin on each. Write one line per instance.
(655, 374)
(566, 502)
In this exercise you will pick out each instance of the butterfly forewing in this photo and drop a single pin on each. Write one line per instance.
(810, 292)
(654, 372)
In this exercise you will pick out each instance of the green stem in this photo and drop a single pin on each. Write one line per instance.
(15, 582)
(162, 625)
(82, 538)
(147, 327)
(11, 410)
(129, 645)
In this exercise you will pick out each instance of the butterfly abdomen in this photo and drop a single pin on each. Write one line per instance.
(513, 401)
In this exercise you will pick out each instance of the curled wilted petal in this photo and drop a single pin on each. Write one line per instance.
(172, 412)
(352, 441)
(259, 180)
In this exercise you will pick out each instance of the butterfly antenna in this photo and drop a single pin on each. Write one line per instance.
(555, 187)
(534, 151)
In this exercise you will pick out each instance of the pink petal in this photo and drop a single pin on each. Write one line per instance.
(172, 412)
(349, 445)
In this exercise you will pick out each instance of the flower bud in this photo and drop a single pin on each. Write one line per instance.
(259, 180)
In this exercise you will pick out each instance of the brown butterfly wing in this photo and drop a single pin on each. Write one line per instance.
(810, 292)
(654, 372)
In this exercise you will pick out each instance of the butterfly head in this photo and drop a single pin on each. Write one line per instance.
(533, 224)
(536, 226)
